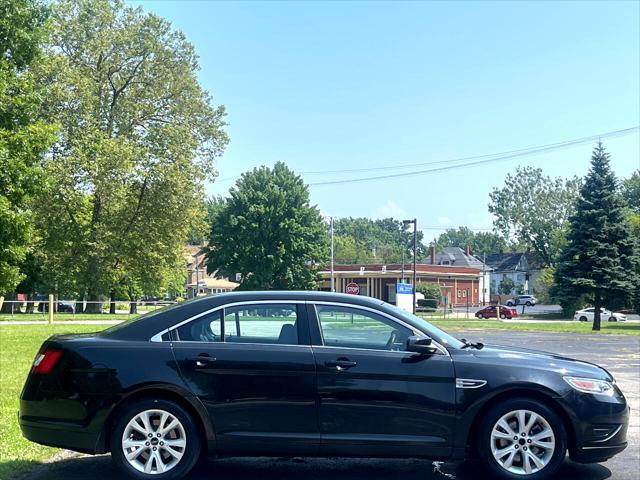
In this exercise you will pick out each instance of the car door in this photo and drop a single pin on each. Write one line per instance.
(252, 367)
(374, 397)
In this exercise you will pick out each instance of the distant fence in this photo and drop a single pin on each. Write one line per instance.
(51, 308)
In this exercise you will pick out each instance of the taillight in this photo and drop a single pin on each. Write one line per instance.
(45, 361)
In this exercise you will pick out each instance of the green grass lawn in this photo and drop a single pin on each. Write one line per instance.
(18, 347)
(455, 324)
(42, 317)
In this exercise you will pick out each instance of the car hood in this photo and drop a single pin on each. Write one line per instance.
(528, 358)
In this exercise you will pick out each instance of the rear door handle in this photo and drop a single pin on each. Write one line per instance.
(340, 364)
(203, 360)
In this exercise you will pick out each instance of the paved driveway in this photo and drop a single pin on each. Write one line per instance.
(619, 354)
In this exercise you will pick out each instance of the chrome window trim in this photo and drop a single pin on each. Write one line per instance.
(440, 347)
(158, 336)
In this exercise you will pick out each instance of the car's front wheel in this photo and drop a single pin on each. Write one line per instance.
(583, 319)
(522, 438)
(155, 438)
(613, 319)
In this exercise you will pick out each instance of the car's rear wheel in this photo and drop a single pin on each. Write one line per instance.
(155, 439)
(503, 316)
(522, 438)
(613, 319)
(509, 303)
(583, 319)
(528, 304)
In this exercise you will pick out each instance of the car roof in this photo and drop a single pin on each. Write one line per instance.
(145, 326)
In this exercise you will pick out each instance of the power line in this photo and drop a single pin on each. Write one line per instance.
(505, 155)
(496, 157)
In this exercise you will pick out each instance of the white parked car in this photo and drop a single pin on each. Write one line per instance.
(528, 300)
(587, 314)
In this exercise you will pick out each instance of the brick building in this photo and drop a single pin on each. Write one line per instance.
(460, 285)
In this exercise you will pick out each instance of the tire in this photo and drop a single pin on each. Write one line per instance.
(528, 304)
(509, 303)
(550, 456)
(503, 316)
(185, 438)
(583, 319)
(613, 319)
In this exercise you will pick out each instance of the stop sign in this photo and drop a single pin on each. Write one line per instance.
(352, 288)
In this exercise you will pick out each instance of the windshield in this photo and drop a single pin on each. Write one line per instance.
(434, 332)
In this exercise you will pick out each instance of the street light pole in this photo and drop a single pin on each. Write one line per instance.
(333, 284)
(415, 236)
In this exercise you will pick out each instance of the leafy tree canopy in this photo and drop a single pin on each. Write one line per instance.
(364, 240)
(24, 135)
(631, 191)
(479, 242)
(267, 231)
(138, 138)
(533, 209)
(600, 259)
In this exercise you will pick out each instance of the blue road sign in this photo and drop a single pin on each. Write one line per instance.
(404, 288)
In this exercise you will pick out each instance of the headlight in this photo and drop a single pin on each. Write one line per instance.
(591, 385)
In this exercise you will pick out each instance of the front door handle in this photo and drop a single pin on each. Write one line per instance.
(203, 360)
(340, 364)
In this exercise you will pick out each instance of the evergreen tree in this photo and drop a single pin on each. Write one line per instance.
(600, 259)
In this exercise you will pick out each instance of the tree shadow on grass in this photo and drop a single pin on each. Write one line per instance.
(101, 468)
(624, 327)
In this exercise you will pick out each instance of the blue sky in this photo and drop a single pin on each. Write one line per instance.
(348, 85)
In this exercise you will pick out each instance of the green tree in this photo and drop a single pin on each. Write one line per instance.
(600, 259)
(24, 134)
(347, 250)
(267, 231)
(139, 136)
(534, 209)
(506, 286)
(376, 241)
(432, 294)
(479, 242)
(631, 191)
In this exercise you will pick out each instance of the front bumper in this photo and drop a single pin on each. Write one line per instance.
(600, 426)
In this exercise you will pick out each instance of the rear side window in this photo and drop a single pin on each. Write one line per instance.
(262, 323)
(207, 328)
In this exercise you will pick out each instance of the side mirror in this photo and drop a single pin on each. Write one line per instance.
(420, 345)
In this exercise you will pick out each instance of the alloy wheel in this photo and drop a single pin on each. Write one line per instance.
(154, 441)
(522, 442)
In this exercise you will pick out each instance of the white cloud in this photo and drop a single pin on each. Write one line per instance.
(392, 209)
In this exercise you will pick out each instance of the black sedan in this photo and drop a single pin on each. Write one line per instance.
(313, 374)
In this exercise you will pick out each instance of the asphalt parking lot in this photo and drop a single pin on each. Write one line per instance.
(619, 354)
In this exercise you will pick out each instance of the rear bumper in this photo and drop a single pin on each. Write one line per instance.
(61, 435)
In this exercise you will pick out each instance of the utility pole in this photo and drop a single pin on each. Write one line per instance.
(403, 264)
(415, 236)
(484, 277)
(333, 281)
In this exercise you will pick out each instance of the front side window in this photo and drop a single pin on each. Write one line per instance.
(355, 328)
(261, 323)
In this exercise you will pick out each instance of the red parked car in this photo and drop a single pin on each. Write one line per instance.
(490, 312)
